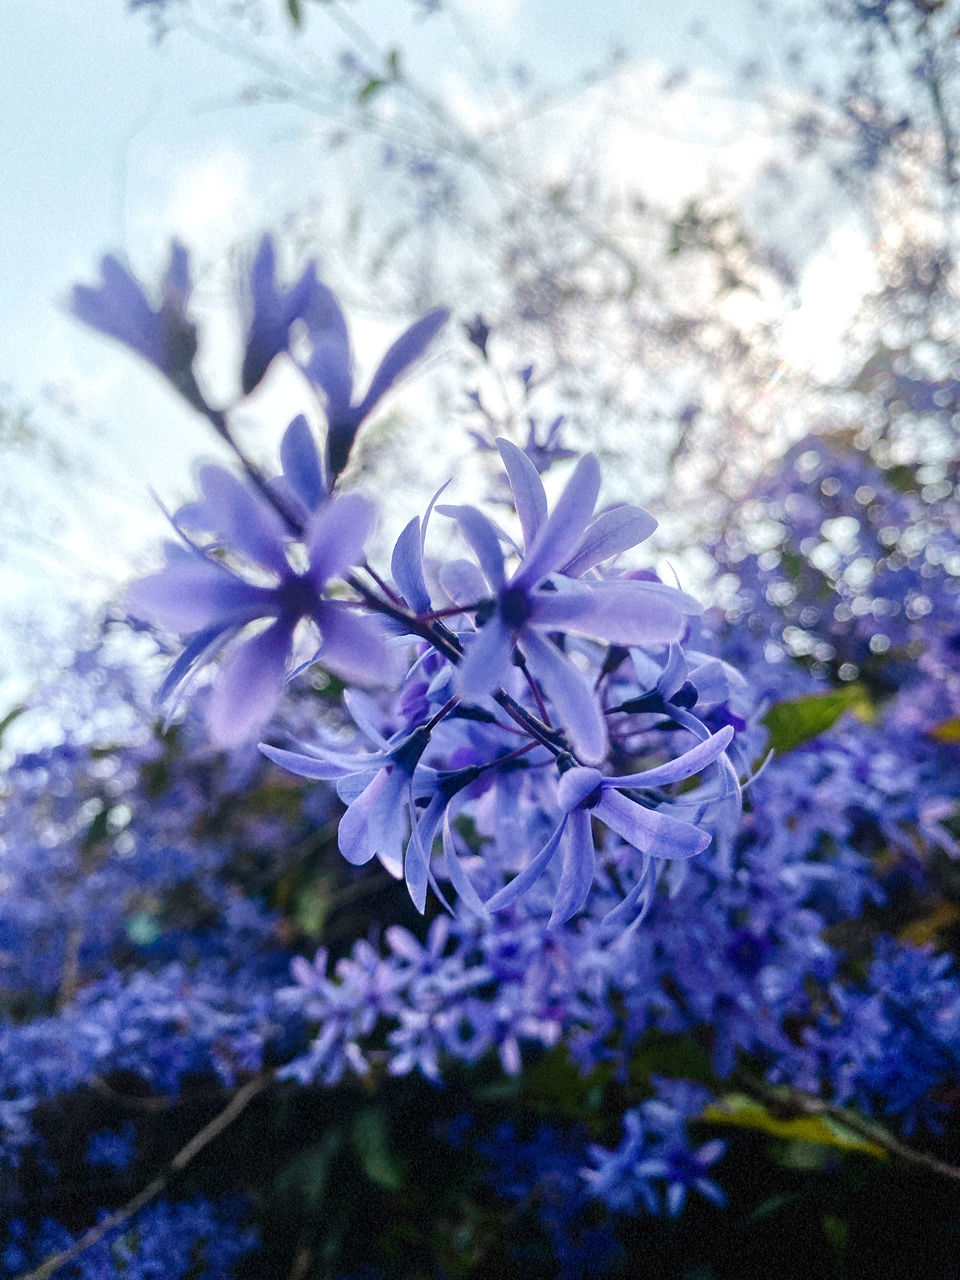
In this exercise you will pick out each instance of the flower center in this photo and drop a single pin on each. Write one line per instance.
(515, 607)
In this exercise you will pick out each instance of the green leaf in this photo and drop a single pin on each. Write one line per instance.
(747, 1113)
(370, 1140)
(373, 85)
(303, 1181)
(945, 731)
(795, 722)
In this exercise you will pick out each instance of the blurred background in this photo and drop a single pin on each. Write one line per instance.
(705, 238)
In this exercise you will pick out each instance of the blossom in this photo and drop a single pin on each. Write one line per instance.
(272, 312)
(330, 367)
(586, 793)
(210, 602)
(542, 595)
(162, 335)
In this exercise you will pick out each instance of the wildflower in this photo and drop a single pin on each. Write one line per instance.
(207, 600)
(164, 335)
(272, 312)
(330, 367)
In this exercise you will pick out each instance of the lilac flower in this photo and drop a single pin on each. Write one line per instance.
(200, 597)
(330, 367)
(541, 595)
(378, 787)
(163, 335)
(272, 312)
(587, 793)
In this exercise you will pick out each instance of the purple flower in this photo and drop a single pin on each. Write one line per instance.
(272, 312)
(587, 793)
(162, 335)
(378, 787)
(330, 367)
(542, 596)
(201, 597)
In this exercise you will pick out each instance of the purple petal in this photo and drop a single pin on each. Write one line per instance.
(336, 535)
(558, 538)
(406, 565)
(302, 468)
(529, 497)
(652, 833)
(579, 862)
(555, 610)
(408, 348)
(463, 582)
(330, 367)
(529, 875)
(628, 612)
(353, 835)
(248, 686)
(201, 648)
(486, 663)
(685, 766)
(352, 645)
(462, 884)
(576, 785)
(240, 518)
(371, 826)
(330, 364)
(194, 594)
(612, 532)
(483, 538)
(416, 862)
(324, 769)
(119, 309)
(570, 694)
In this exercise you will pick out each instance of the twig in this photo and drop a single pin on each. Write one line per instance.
(238, 1103)
(787, 1097)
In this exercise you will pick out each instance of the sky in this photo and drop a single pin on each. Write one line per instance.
(114, 141)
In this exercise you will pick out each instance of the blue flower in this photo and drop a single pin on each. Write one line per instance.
(163, 335)
(587, 793)
(199, 596)
(543, 596)
(272, 312)
(330, 367)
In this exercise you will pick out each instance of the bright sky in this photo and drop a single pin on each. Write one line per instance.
(111, 141)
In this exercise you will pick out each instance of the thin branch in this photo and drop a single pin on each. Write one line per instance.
(237, 1104)
(788, 1098)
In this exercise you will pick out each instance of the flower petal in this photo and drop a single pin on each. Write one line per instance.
(406, 565)
(241, 519)
(529, 496)
(612, 532)
(684, 766)
(579, 864)
(558, 538)
(530, 874)
(336, 535)
(302, 467)
(652, 833)
(407, 349)
(483, 538)
(571, 695)
(352, 645)
(248, 685)
(628, 612)
(486, 662)
(194, 594)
